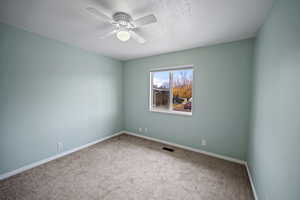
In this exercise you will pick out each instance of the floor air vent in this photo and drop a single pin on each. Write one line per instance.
(168, 149)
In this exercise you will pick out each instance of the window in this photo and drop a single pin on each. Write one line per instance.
(171, 90)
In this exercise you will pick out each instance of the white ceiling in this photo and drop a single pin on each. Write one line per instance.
(182, 24)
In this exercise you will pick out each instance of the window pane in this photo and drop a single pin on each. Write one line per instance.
(182, 90)
(160, 91)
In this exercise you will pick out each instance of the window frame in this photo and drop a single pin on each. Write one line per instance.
(164, 69)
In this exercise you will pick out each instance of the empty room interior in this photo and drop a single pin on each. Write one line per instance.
(149, 100)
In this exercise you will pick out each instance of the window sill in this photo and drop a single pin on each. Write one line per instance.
(173, 112)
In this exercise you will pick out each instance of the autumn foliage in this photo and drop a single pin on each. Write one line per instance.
(184, 91)
(182, 87)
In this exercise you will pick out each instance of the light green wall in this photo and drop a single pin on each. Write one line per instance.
(274, 150)
(53, 92)
(221, 98)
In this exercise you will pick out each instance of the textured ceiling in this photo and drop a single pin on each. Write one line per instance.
(182, 24)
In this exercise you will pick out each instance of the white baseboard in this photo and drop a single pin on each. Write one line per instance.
(251, 182)
(35, 164)
(188, 148)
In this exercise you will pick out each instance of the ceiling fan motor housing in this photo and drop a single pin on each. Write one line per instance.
(122, 18)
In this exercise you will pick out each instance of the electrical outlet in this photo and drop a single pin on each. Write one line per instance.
(60, 147)
(146, 130)
(140, 130)
(203, 142)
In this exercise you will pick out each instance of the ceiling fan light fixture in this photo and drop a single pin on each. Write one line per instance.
(123, 35)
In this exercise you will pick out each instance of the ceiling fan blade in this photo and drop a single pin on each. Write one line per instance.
(137, 37)
(108, 34)
(99, 14)
(149, 19)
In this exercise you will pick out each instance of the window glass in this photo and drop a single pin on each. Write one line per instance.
(161, 91)
(172, 91)
(182, 90)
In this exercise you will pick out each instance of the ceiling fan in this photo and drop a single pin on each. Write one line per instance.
(123, 26)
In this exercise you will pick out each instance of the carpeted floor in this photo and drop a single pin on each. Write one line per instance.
(127, 167)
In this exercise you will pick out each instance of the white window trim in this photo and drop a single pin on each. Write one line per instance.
(173, 112)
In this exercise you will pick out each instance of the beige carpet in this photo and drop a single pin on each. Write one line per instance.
(127, 167)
